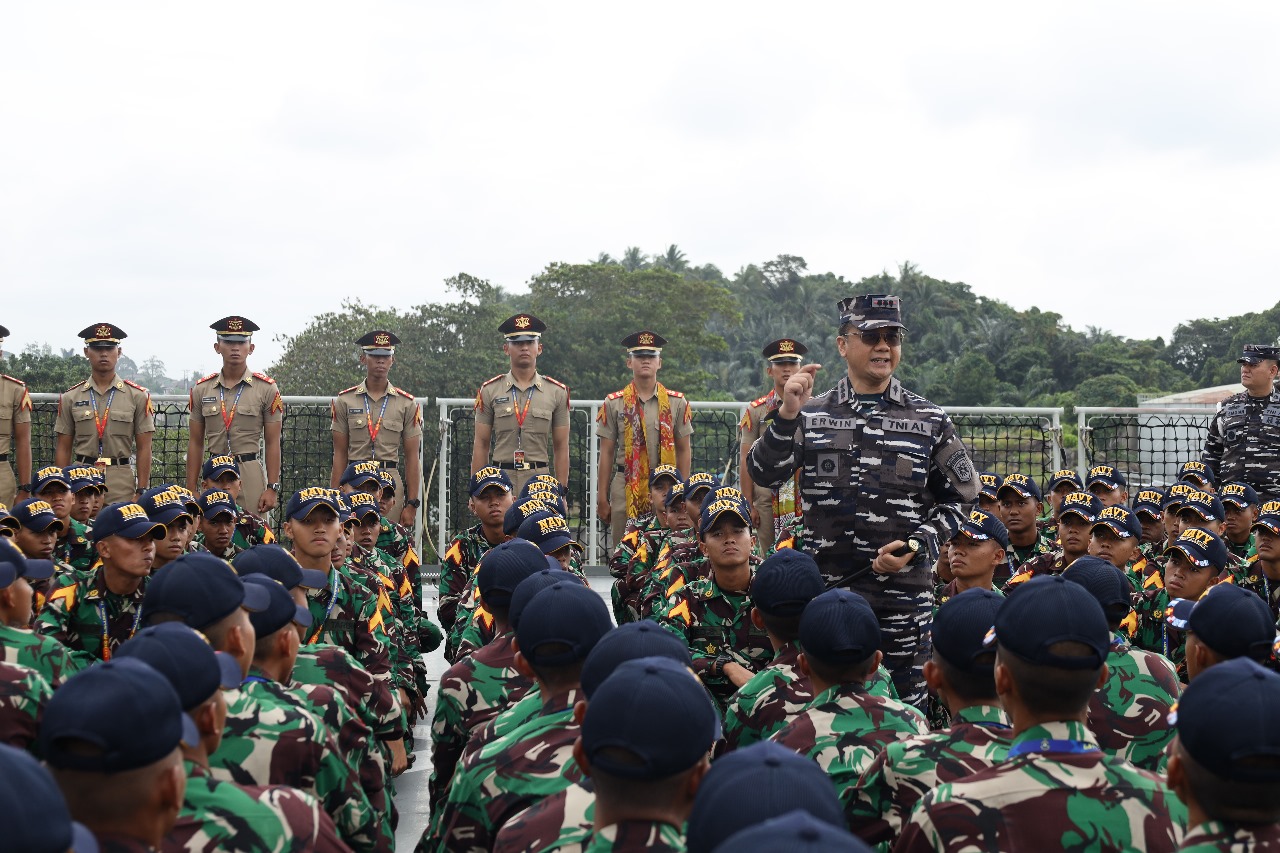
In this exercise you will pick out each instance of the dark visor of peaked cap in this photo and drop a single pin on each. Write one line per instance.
(644, 342)
(522, 327)
(102, 335)
(4, 332)
(378, 342)
(1255, 353)
(784, 350)
(870, 311)
(234, 328)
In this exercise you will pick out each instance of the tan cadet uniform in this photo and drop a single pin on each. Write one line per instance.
(249, 404)
(15, 408)
(522, 450)
(361, 417)
(611, 427)
(749, 429)
(123, 410)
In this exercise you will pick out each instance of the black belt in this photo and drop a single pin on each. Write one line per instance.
(4, 457)
(107, 460)
(387, 466)
(622, 469)
(520, 466)
(245, 457)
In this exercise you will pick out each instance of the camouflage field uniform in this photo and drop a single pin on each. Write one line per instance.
(713, 622)
(1215, 835)
(507, 721)
(471, 693)
(845, 726)
(43, 654)
(678, 547)
(777, 693)
(1127, 715)
(1247, 550)
(1045, 543)
(458, 569)
(1052, 563)
(322, 663)
(1146, 627)
(1244, 442)
(399, 619)
(345, 614)
(906, 770)
(561, 821)
(23, 695)
(636, 835)
(249, 530)
(506, 777)
(75, 549)
(218, 815)
(870, 474)
(396, 541)
(1054, 801)
(629, 563)
(73, 617)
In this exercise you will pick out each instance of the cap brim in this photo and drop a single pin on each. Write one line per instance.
(234, 338)
(55, 520)
(170, 515)
(360, 479)
(305, 510)
(974, 533)
(365, 511)
(785, 359)
(1191, 558)
(139, 529)
(314, 579)
(82, 840)
(711, 521)
(1197, 510)
(1251, 360)
(1238, 503)
(38, 569)
(644, 351)
(1114, 526)
(104, 344)
(1018, 490)
(302, 616)
(522, 336)
(1110, 484)
(379, 351)
(229, 673)
(216, 510)
(190, 732)
(1076, 512)
(256, 599)
(555, 543)
(220, 470)
(486, 483)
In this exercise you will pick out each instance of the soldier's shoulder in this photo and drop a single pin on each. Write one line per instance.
(7, 378)
(677, 394)
(758, 401)
(264, 377)
(403, 393)
(204, 379)
(491, 380)
(350, 390)
(79, 385)
(616, 395)
(135, 386)
(556, 382)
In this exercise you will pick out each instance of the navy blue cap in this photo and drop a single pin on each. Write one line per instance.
(1205, 505)
(8, 524)
(541, 482)
(277, 563)
(720, 507)
(1106, 583)
(534, 584)
(216, 502)
(43, 822)
(794, 832)
(700, 480)
(234, 329)
(356, 474)
(215, 466)
(568, 617)
(124, 708)
(1176, 495)
(1226, 721)
(1121, 521)
(1255, 353)
(870, 311)
(201, 589)
(674, 496)
(1198, 471)
(1023, 485)
(522, 509)
(184, 657)
(36, 514)
(669, 472)
(839, 627)
(989, 484)
(128, 520)
(632, 711)
(46, 477)
(1065, 475)
(1230, 620)
(378, 343)
(961, 625)
(548, 530)
(1148, 501)
(362, 505)
(1106, 475)
(785, 582)
(14, 564)
(522, 327)
(1269, 517)
(345, 515)
(164, 505)
(503, 567)
(388, 482)
(308, 500)
(1239, 495)
(488, 476)
(1081, 504)
(81, 477)
(750, 785)
(981, 526)
(642, 639)
(1203, 548)
(1047, 610)
(281, 610)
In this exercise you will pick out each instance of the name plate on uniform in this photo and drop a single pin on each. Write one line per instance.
(828, 422)
(904, 425)
(80, 403)
(208, 399)
(497, 400)
(355, 411)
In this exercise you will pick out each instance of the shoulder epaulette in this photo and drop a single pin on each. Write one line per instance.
(348, 390)
(206, 378)
(12, 378)
(404, 393)
(674, 394)
(556, 382)
(491, 381)
(760, 401)
(135, 385)
(614, 396)
(264, 377)
(77, 385)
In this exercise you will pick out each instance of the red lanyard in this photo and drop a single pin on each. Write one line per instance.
(521, 414)
(226, 421)
(101, 425)
(368, 416)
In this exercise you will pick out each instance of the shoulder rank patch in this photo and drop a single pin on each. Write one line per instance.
(79, 384)
(760, 401)
(491, 381)
(12, 379)
(671, 393)
(348, 390)
(404, 393)
(136, 386)
(616, 395)
(208, 378)
(264, 377)
(556, 382)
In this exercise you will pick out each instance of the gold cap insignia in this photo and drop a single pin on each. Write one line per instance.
(522, 322)
(646, 339)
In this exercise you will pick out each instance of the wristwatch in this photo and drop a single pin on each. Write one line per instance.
(413, 502)
(275, 487)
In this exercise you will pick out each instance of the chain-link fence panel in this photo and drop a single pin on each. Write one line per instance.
(1146, 445)
(1008, 443)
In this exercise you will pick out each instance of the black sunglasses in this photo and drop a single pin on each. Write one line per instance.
(890, 336)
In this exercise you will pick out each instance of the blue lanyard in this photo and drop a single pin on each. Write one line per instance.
(235, 405)
(333, 599)
(106, 629)
(257, 678)
(1074, 747)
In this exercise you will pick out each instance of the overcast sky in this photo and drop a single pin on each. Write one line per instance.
(166, 164)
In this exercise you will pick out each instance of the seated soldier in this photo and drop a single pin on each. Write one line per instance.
(1227, 622)
(18, 643)
(1198, 474)
(976, 553)
(223, 473)
(1146, 506)
(698, 490)
(1020, 503)
(1061, 484)
(489, 500)
(678, 546)
(1115, 537)
(1174, 497)
(1229, 775)
(638, 550)
(1056, 789)
(1205, 510)
(1241, 505)
(35, 530)
(84, 492)
(1266, 570)
(550, 532)
(989, 494)
(168, 507)
(1079, 510)
(216, 524)
(1108, 485)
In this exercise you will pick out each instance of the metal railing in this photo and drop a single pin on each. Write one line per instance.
(1147, 445)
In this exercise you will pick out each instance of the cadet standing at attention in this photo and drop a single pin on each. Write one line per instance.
(770, 508)
(15, 431)
(883, 475)
(106, 421)
(235, 411)
(376, 420)
(519, 411)
(641, 427)
(1244, 436)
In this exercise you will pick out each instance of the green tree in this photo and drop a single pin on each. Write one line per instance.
(46, 372)
(1110, 389)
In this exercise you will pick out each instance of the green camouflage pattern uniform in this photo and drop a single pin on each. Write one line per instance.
(678, 547)
(269, 741)
(323, 663)
(1052, 801)
(562, 821)
(1246, 550)
(845, 726)
(476, 631)
(1045, 543)
(777, 693)
(937, 713)
(23, 695)
(457, 572)
(249, 530)
(711, 622)
(506, 777)
(628, 563)
(73, 617)
(1053, 563)
(399, 619)
(218, 815)
(507, 721)
(471, 693)
(897, 778)
(75, 549)
(636, 835)
(396, 541)
(1127, 714)
(1146, 627)
(43, 654)
(1216, 835)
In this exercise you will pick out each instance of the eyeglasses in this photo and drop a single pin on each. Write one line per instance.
(891, 336)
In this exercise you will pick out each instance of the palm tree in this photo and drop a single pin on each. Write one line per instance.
(604, 258)
(673, 259)
(634, 259)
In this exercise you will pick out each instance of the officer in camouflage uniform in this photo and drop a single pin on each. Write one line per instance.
(1227, 775)
(1241, 505)
(1126, 714)
(1243, 443)
(880, 469)
(844, 726)
(1056, 790)
(18, 643)
(223, 473)
(783, 358)
(93, 612)
(15, 433)
(636, 554)
(961, 672)
(505, 437)
(376, 420)
(239, 413)
(106, 421)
